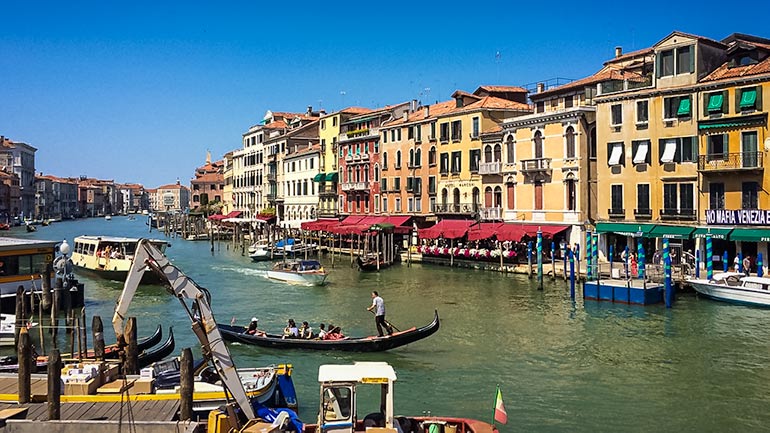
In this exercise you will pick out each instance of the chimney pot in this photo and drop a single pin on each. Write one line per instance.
(427, 111)
(540, 87)
(618, 51)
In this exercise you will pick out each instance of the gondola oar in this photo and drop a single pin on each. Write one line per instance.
(387, 323)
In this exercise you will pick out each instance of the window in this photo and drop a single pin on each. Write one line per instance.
(457, 130)
(684, 107)
(410, 204)
(686, 199)
(432, 156)
(398, 204)
(681, 60)
(676, 106)
(456, 162)
(568, 101)
(571, 192)
(643, 198)
(334, 121)
(748, 98)
(510, 150)
(749, 198)
(616, 199)
(444, 168)
(475, 128)
(376, 173)
(498, 155)
(418, 204)
(642, 112)
(717, 147)
(385, 204)
(418, 158)
(666, 63)
(716, 195)
(538, 142)
(684, 60)
(418, 133)
(683, 149)
(397, 184)
(410, 133)
(714, 101)
(323, 124)
(641, 151)
(670, 201)
(384, 184)
(398, 160)
(431, 184)
(475, 159)
(385, 137)
(384, 161)
(376, 203)
(540, 107)
(392, 135)
(444, 132)
(617, 114)
(615, 152)
(433, 130)
(569, 138)
(749, 149)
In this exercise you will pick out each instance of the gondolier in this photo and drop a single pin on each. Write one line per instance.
(378, 306)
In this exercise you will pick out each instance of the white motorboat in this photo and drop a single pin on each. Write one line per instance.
(735, 287)
(259, 251)
(304, 272)
(7, 329)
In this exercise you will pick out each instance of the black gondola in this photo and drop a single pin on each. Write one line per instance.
(113, 351)
(147, 357)
(350, 344)
(369, 263)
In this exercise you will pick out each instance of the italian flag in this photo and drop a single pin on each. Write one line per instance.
(501, 415)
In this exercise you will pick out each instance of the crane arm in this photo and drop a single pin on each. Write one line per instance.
(214, 349)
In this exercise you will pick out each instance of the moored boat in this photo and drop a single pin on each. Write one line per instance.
(304, 272)
(108, 256)
(16, 255)
(259, 251)
(735, 287)
(351, 344)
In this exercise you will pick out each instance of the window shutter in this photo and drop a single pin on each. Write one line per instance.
(661, 146)
(725, 146)
(692, 57)
(725, 102)
(758, 102)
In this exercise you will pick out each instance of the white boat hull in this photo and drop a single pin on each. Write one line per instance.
(303, 278)
(738, 294)
(259, 255)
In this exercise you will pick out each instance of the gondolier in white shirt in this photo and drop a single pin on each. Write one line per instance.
(378, 306)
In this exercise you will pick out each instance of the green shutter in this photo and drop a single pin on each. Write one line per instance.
(684, 107)
(715, 102)
(748, 98)
(319, 177)
(331, 177)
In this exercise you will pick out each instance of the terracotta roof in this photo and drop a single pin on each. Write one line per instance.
(501, 89)
(724, 71)
(151, 190)
(690, 35)
(209, 178)
(172, 186)
(494, 102)
(610, 72)
(355, 110)
(623, 57)
(434, 110)
(276, 124)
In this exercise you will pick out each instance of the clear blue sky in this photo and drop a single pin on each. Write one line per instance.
(140, 92)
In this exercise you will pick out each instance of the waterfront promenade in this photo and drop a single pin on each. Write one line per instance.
(562, 365)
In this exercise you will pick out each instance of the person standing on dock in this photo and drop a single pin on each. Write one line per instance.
(378, 307)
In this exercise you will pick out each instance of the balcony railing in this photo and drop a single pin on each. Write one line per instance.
(327, 192)
(738, 161)
(455, 208)
(271, 197)
(677, 214)
(271, 177)
(358, 134)
(535, 165)
(355, 186)
(616, 213)
(491, 167)
(491, 213)
(348, 158)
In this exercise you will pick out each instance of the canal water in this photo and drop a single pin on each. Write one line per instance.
(562, 365)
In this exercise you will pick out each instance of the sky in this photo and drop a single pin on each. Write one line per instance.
(140, 91)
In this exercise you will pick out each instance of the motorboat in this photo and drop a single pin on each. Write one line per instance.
(7, 329)
(16, 254)
(110, 257)
(259, 251)
(108, 217)
(304, 272)
(291, 248)
(735, 287)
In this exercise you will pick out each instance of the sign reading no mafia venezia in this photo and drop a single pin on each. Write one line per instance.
(734, 217)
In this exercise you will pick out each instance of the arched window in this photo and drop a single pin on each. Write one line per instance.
(418, 158)
(498, 201)
(398, 159)
(411, 157)
(488, 196)
(569, 138)
(384, 161)
(350, 174)
(376, 173)
(538, 141)
(511, 198)
(432, 156)
(498, 153)
(366, 173)
(456, 199)
(571, 191)
(509, 150)
(444, 196)
(487, 153)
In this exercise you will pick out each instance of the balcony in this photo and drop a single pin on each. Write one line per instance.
(271, 197)
(491, 167)
(643, 213)
(455, 208)
(271, 177)
(348, 158)
(358, 135)
(491, 213)
(355, 186)
(677, 214)
(731, 162)
(616, 213)
(529, 166)
(327, 213)
(328, 192)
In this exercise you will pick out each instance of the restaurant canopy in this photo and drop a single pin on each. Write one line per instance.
(448, 229)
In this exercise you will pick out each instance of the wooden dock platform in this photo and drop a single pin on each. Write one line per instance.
(108, 411)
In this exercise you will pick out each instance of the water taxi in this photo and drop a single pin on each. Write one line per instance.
(735, 287)
(303, 272)
(108, 256)
(23, 262)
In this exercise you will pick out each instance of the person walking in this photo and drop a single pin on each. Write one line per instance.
(747, 265)
(378, 307)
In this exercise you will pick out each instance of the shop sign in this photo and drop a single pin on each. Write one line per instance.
(738, 217)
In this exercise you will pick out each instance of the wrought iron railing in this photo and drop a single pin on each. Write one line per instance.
(455, 208)
(677, 214)
(538, 164)
(731, 161)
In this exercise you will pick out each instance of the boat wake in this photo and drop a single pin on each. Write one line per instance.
(251, 272)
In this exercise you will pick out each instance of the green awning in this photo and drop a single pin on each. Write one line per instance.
(319, 177)
(750, 235)
(331, 177)
(625, 229)
(671, 232)
(684, 107)
(715, 102)
(748, 98)
(716, 233)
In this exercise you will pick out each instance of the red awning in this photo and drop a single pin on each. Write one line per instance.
(548, 231)
(217, 217)
(510, 232)
(482, 231)
(233, 214)
(322, 224)
(448, 229)
(516, 232)
(265, 218)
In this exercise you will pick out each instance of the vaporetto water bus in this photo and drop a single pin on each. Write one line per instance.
(23, 262)
(109, 256)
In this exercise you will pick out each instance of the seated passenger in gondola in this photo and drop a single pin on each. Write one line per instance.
(252, 329)
(321, 332)
(291, 330)
(334, 333)
(305, 331)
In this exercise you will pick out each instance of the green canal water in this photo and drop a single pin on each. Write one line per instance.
(701, 366)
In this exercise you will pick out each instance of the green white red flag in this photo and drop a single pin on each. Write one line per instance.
(501, 415)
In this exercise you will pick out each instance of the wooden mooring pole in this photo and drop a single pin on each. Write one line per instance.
(186, 385)
(97, 328)
(54, 385)
(25, 366)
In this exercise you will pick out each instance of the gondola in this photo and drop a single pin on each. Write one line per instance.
(156, 354)
(369, 263)
(113, 351)
(350, 344)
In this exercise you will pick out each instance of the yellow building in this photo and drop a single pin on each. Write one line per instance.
(459, 186)
(327, 179)
(538, 171)
(227, 190)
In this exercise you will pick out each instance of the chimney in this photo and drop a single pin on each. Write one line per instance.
(413, 107)
(618, 52)
(406, 115)
(540, 87)
(427, 111)
(309, 110)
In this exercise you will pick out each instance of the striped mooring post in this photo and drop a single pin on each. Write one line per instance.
(667, 273)
(641, 259)
(595, 258)
(539, 259)
(589, 255)
(725, 261)
(571, 274)
(760, 264)
(709, 258)
(697, 263)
